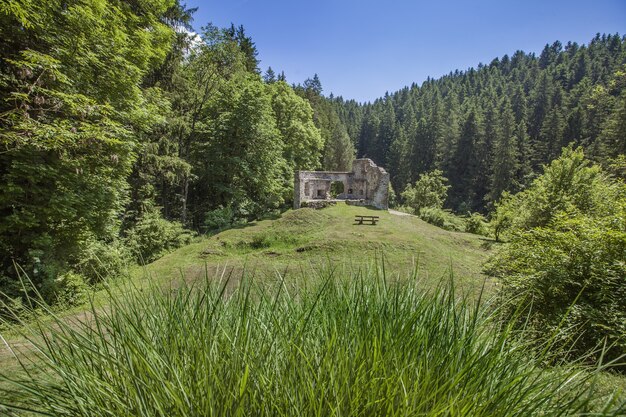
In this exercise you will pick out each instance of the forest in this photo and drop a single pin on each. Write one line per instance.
(490, 129)
(125, 135)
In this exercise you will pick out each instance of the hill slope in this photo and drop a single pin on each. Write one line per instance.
(307, 238)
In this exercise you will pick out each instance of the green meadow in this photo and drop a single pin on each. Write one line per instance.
(306, 314)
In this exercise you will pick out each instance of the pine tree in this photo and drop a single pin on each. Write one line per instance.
(398, 160)
(339, 151)
(368, 137)
(484, 156)
(463, 171)
(386, 133)
(246, 46)
(524, 171)
(449, 135)
(551, 134)
(269, 77)
(505, 164)
(313, 85)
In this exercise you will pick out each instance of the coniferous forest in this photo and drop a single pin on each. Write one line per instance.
(125, 135)
(490, 129)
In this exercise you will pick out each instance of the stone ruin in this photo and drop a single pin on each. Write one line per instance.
(366, 185)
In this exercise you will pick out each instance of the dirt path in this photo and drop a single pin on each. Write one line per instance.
(399, 213)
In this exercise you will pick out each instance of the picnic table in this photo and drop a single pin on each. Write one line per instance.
(366, 219)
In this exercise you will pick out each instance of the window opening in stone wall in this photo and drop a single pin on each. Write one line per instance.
(336, 188)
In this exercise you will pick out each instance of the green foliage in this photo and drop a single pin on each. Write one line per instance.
(152, 236)
(220, 218)
(70, 109)
(242, 164)
(476, 223)
(442, 218)
(294, 120)
(100, 261)
(68, 289)
(564, 266)
(570, 276)
(393, 198)
(502, 217)
(338, 147)
(569, 185)
(349, 345)
(430, 190)
(338, 150)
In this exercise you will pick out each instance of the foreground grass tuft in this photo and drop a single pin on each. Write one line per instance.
(328, 345)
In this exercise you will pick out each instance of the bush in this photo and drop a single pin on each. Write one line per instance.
(219, 219)
(434, 216)
(392, 197)
(572, 278)
(261, 241)
(100, 261)
(68, 289)
(430, 190)
(442, 218)
(570, 184)
(351, 345)
(564, 266)
(153, 236)
(476, 224)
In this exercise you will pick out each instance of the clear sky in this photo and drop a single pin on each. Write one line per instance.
(362, 48)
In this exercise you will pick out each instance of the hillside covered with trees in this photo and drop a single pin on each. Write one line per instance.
(122, 131)
(490, 129)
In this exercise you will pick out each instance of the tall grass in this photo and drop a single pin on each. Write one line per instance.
(349, 345)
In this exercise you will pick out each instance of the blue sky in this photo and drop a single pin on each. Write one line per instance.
(361, 49)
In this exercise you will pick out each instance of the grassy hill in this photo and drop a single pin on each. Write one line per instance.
(350, 343)
(305, 239)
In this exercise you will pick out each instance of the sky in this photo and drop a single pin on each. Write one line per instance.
(361, 49)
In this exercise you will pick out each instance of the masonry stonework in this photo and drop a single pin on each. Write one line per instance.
(366, 185)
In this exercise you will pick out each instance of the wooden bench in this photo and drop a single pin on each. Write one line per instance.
(369, 219)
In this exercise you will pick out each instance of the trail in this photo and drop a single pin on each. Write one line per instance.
(399, 213)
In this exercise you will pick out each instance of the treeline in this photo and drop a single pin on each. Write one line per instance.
(490, 129)
(121, 130)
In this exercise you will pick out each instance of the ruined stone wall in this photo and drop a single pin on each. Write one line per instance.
(376, 180)
(367, 184)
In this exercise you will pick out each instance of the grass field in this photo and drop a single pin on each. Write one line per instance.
(307, 238)
(306, 314)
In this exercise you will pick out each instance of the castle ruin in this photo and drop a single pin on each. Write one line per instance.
(366, 185)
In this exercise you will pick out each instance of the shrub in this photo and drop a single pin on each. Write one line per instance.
(442, 218)
(430, 190)
(68, 289)
(476, 224)
(355, 345)
(153, 236)
(392, 197)
(570, 184)
(100, 261)
(434, 216)
(571, 277)
(564, 266)
(219, 219)
(260, 241)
